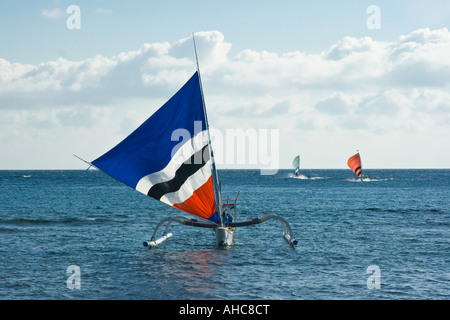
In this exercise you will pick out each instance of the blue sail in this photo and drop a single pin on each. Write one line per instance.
(168, 156)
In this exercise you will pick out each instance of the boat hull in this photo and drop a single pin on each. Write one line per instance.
(224, 236)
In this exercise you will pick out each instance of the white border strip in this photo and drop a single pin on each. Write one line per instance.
(188, 188)
(185, 152)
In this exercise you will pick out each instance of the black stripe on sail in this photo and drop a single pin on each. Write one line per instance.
(358, 171)
(187, 169)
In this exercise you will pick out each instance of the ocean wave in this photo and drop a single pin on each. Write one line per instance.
(368, 179)
(406, 210)
(40, 221)
(303, 177)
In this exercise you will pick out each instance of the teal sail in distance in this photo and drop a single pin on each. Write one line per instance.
(296, 165)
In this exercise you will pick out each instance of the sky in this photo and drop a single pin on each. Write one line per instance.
(321, 79)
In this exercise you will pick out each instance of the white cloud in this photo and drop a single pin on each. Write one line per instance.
(360, 86)
(336, 104)
(54, 14)
(211, 47)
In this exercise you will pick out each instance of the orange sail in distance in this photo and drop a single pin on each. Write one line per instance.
(354, 162)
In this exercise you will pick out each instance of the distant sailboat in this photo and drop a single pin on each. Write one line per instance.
(296, 165)
(354, 163)
(170, 158)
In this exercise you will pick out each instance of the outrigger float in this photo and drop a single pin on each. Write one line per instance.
(170, 158)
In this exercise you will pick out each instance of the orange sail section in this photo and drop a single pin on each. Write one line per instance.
(201, 203)
(354, 163)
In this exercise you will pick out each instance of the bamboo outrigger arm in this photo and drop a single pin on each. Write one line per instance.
(288, 235)
(179, 219)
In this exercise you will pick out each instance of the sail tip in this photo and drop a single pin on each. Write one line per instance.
(85, 161)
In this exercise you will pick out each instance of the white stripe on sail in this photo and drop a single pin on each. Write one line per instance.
(188, 188)
(186, 151)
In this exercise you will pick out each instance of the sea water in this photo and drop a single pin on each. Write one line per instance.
(78, 235)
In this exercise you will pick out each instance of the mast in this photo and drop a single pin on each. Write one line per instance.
(215, 176)
(362, 172)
